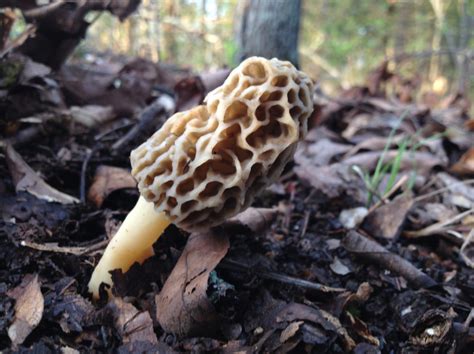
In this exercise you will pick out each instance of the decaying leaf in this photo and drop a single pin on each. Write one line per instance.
(372, 251)
(92, 115)
(132, 325)
(29, 308)
(387, 220)
(182, 307)
(465, 165)
(108, 179)
(432, 329)
(361, 329)
(25, 179)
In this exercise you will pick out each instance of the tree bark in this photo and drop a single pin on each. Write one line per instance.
(269, 28)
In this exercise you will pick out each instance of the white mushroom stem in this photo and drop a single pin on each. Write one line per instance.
(132, 243)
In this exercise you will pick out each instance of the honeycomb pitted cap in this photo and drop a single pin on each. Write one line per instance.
(207, 164)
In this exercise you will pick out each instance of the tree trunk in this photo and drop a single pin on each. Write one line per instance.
(269, 28)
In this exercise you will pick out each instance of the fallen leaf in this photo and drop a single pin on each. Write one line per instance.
(460, 194)
(431, 329)
(372, 251)
(387, 220)
(25, 179)
(361, 329)
(254, 219)
(71, 311)
(29, 308)
(465, 165)
(338, 267)
(92, 115)
(333, 181)
(182, 307)
(132, 325)
(108, 179)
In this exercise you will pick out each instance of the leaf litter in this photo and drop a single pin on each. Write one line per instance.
(364, 245)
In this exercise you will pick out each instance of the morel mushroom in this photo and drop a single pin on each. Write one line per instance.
(207, 164)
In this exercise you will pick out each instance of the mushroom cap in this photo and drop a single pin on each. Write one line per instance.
(207, 164)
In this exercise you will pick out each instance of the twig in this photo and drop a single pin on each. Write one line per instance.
(43, 10)
(441, 190)
(236, 266)
(163, 105)
(85, 163)
(395, 187)
(18, 41)
(437, 227)
(53, 247)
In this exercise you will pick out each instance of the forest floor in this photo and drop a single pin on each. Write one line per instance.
(365, 245)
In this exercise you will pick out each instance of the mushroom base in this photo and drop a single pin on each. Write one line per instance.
(132, 243)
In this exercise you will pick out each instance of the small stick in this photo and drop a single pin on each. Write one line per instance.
(53, 247)
(85, 163)
(282, 278)
(163, 105)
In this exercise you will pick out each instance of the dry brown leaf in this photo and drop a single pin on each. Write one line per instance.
(387, 220)
(361, 329)
(182, 307)
(29, 308)
(373, 252)
(131, 324)
(465, 165)
(25, 179)
(108, 179)
(254, 219)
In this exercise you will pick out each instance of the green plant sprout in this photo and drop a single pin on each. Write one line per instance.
(407, 145)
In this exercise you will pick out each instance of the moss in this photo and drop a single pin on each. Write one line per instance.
(9, 73)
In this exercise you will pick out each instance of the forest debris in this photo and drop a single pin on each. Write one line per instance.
(282, 278)
(25, 179)
(432, 328)
(318, 327)
(321, 152)
(465, 165)
(372, 251)
(461, 192)
(161, 108)
(361, 329)
(182, 307)
(256, 220)
(53, 247)
(190, 92)
(290, 331)
(132, 325)
(351, 218)
(467, 249)
(108, 179)
(387, 220)
(338, 267)
(439, 227)
(71, 311)
(334, 181)
(91, 115)
(29, 308)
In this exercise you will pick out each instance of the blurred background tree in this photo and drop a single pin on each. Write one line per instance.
(340, 41)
